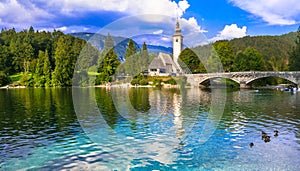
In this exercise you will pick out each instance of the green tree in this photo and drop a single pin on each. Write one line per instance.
(294, 63)
(88, 59)
(226, 54)
(5, 60)
(144, 59)
(213, 62)
(249, 60)
(47, 70)
(65, 58)
(107, 67)
(191, 61)
(4, 79)
(39, 79)
(108, 43)
(130, 50)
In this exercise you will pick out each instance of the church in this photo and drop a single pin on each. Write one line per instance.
(165, 64)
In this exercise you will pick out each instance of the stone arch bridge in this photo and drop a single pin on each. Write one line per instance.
(243, 78)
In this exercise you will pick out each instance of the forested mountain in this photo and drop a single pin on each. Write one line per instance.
(120, 43)
(274, 49)
(97, 40)
(260, 53)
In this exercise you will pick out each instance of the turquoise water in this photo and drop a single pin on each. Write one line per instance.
(148, 129)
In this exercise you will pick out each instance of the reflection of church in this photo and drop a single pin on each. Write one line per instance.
(164, 64)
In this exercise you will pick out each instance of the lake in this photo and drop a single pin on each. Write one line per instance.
(148, 129)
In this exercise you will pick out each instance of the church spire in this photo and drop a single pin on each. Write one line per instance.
(177, 28)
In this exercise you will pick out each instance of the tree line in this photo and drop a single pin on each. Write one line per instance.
(45, 58)
(259, 53)
(49, 59)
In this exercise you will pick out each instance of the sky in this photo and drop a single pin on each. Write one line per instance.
(210, 19)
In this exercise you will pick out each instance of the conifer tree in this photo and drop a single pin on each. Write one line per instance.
(47, 70)
(107, 67)
(131, 50)
(63, 72)
(108, 43)
(144, 61)
(39, 74)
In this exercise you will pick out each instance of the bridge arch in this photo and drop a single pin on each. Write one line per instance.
(270, 76)
(215, 77)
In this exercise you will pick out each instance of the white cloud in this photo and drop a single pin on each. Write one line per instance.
(67, 29)
(192, 25)
(64, 28)
(14, 13)
(43, 14)
(274, 12)
(230, 32)
(130, 7)
(166, 39)
(183, 5)
(133, 7)
(158, 32)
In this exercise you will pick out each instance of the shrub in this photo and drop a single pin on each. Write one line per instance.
(134, 81)
(27, 80)
(4, 79)
(171, 81)
(157, 82)
(102, 78)
(143, 82)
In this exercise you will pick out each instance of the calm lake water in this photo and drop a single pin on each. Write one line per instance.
(148, 129)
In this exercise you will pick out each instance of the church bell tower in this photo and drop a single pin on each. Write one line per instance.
(177, 43)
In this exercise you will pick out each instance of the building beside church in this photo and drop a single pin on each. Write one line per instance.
(165, 64)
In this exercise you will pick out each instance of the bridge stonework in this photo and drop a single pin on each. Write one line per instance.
(244, 78)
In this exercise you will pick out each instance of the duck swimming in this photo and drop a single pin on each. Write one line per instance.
(263, 135)
(275, 133)
(251, 144)
(267, 139)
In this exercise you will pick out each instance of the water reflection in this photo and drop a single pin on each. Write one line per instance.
(145, 128)
(33, 118)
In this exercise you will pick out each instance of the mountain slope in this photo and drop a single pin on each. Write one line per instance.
(120, 43)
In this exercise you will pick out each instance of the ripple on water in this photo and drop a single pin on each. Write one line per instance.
(156, 142)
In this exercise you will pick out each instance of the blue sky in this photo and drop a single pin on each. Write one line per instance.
(215, 19)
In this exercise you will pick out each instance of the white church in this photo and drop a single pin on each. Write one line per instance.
(164, 64)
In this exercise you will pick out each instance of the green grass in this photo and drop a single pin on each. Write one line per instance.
(93, 73)
(16, 77)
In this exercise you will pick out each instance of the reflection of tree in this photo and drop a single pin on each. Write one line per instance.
(139, 98)
(38, 108)
(106, 107)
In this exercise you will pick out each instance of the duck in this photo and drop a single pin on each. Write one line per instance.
(267, 139)
(251, 144)
(263, 135)
(275, 133)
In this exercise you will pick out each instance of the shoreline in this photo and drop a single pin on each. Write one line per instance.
(12, 87)
(98, 86)
(128, 85)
